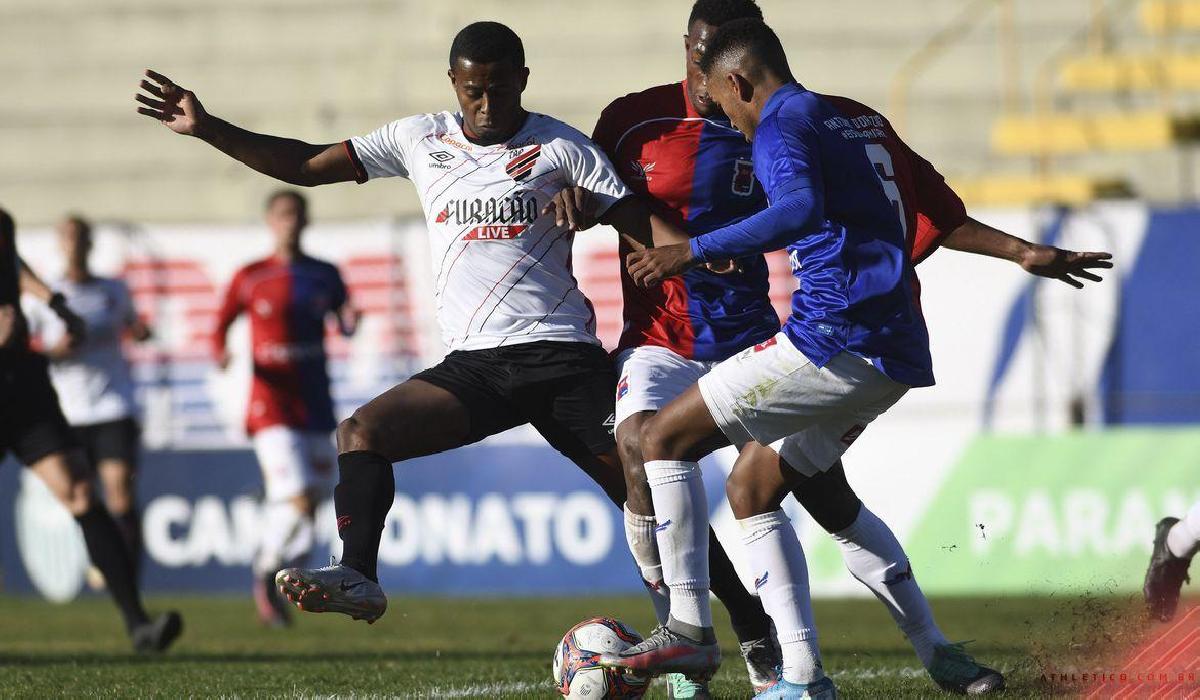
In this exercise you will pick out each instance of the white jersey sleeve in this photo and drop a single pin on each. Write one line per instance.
(585, 165)
(388, 151)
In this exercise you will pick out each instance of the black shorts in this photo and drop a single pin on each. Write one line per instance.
(116, 439)
(31, 422)
(564, 390)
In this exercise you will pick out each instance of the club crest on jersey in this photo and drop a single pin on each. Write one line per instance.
(522, 163)
(743, 177)
(640, 170)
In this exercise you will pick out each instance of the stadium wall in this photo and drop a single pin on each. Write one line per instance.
(1062, 427)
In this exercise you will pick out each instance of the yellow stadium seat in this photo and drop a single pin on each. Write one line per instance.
(1165, 16)
(1019, 190)
(1058, 134)
(1132, 72)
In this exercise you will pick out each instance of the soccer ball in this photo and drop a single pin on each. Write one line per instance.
(577, 669)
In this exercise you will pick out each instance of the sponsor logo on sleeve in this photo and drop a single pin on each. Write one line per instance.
(641, 169)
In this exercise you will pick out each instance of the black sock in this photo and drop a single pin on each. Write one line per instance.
(107, 552)
(746, 613)
(130, 525)
(365, 482)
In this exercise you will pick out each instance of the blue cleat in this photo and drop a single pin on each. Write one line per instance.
(783, 690)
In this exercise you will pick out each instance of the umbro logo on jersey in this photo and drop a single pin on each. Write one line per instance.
(441, 156)
(640, 170)
(522, 163)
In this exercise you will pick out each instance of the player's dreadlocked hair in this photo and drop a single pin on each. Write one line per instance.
(488, 42)
(749, 36)
(718, 12)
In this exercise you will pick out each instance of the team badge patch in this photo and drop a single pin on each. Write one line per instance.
(622, 388)
(522, 163)
(743, 177)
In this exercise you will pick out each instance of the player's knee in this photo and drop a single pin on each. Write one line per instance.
(659, 441)
(78, 497)
(304, 503)
(746, 496)
(357, 433)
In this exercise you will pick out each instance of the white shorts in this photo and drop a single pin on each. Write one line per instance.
(773, 394)
(293, 461)
(651, 377)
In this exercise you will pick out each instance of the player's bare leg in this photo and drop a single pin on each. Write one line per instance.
(67, 475)
(117, 478)
(750, 622)
(410, 420)
(672, 443)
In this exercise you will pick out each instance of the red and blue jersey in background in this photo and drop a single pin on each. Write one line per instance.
(287, 304)
(698, 174)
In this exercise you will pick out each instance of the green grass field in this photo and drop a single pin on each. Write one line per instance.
(495, 648)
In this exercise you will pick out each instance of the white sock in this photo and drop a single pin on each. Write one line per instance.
(874, 556)
(639, 534)
(681, 508)
(1184, 538)
(287, 538)
(781, 577)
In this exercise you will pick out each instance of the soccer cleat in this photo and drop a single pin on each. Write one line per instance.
(271, 607)
(955, 671)
(680, 687)
(665, 651)
(334, 588)
(785, 690)
(158, 634)
(1165, 575)
(762, 662)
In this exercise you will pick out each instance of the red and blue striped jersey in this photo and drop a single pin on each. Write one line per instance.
(698, 174)
(287, 304)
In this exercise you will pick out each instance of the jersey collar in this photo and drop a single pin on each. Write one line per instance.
(775, 101)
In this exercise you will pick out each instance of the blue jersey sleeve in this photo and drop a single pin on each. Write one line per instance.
(787, 159)
(787, 220)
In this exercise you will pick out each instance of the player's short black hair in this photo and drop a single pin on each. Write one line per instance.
(487, 42)
(300, 200)
(718, 12)
(751, 36)
(83, 225)
(7, 225)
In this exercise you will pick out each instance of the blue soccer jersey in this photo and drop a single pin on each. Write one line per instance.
(830, 207)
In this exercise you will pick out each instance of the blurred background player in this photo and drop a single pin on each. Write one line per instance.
(287, 297)
(1176, 542)
(92, 377)
(33, 427)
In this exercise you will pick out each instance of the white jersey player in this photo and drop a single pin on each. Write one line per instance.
(521, 335)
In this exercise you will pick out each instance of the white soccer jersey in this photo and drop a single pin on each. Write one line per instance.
(94, 384)
(502, 270)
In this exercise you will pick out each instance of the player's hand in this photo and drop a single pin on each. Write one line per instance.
(573, 207)
(1065, 265)
(179, 110)
(651, 266)
(62, 349)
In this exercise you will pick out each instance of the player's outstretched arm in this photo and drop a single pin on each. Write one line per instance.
(33, 285)
(290, 160)
(1042, 260)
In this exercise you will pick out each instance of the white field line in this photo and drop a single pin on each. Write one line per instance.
(525, 688)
